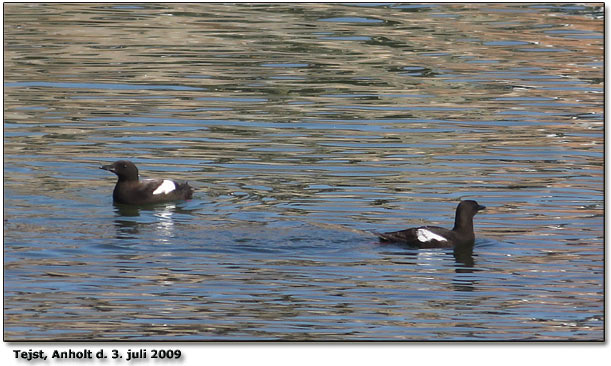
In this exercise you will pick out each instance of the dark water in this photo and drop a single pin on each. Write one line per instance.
(303, 126)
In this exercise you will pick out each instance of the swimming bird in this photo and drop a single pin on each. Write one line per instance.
(437, 237)
(132, 191)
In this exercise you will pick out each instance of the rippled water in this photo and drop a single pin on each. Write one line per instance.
(303, 127)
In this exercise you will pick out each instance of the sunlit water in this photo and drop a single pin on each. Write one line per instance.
(303, 127)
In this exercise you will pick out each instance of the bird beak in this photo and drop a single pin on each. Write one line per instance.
(110, 168)
(480, 207)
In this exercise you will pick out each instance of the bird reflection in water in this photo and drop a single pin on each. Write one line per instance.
(130, 220)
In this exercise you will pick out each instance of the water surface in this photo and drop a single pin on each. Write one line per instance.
(303, 127)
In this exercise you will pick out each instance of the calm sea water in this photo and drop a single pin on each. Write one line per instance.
(303, 127)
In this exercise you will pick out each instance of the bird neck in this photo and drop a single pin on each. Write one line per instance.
(124, 178)
(463, 223)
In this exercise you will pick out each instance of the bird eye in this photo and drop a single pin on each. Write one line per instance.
(125, 165)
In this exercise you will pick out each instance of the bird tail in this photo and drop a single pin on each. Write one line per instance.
(383, 237)
(187, 189)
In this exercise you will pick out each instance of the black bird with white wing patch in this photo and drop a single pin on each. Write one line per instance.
(131, 190)
(437, 237)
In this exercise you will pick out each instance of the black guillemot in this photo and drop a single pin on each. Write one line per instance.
(437, 237)
(130, 190)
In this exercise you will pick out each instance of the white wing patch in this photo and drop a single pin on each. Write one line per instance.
(424, 235)
(166, 187)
